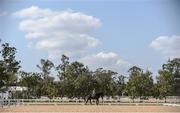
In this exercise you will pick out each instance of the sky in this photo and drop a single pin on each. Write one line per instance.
(113, 34)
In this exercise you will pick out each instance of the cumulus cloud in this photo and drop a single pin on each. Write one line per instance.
(66, 32)
(107, 60)
(169, 46)
(58, 32)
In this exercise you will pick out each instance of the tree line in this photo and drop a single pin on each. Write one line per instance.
(76, 80)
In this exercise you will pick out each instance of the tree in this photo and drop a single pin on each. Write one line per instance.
(33, 82)
(9, 66)
(77, 80)
(45, 67)
(84, 84)
(105, 81)
(47, 84)
(132, 87)
(169, 78)
(134, 71)
(155, 91)
(173, 67)
(3, 77)
(120, 85)
(146, 84)
(139, 84)
(61, 68)
(165, 82)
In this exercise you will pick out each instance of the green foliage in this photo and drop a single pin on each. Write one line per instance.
(155, 91)
(61, 68)
(45, 67)
(105, 81)
(83, 84)
(139, 84)
(173, 67)
(9, 66)
(34, 83)
(120, 86)
(76, 80)
(47, 85)
(169, 78)
(166, 83)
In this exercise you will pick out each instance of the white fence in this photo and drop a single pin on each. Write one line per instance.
(106, 100)
(10, 102)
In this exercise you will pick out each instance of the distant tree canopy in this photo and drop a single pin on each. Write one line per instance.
(77, 80)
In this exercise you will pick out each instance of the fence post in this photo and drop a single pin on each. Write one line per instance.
(9, 102)
(2, 103)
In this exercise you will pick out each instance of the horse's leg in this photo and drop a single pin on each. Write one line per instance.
(102, 99)
(97, 101)
(90, 102)
(86, 101)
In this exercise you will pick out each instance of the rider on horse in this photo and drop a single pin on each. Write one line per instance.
(93, 93)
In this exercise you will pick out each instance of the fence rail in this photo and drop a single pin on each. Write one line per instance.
(109, 101)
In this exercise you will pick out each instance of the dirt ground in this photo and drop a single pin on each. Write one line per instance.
(90, 108)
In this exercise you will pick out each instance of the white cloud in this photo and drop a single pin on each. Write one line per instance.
(67, 32)
(169, 46)
(3, 13)
(34, 12)
(58, 32)
(108, 60)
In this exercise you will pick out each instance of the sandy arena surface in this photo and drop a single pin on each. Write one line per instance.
(90, 108)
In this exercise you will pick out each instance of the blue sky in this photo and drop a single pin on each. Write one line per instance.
(112, 34)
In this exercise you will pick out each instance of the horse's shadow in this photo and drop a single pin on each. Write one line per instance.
(96, 97)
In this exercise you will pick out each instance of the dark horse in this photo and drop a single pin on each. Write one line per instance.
(96, 96)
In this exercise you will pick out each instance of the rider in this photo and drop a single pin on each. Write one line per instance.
(93, 92)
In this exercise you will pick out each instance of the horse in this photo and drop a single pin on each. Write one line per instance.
(96, 96)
